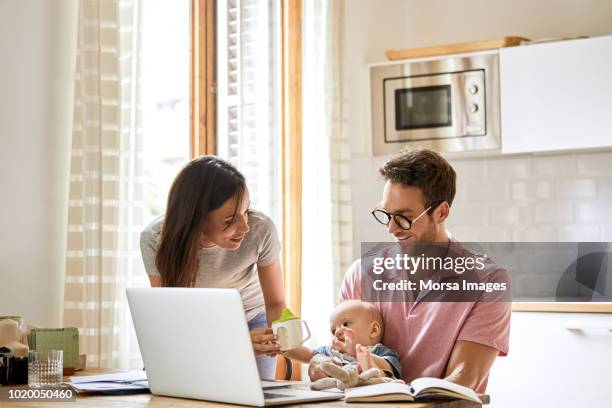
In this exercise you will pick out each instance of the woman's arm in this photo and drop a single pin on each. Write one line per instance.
(272, 288)
(274, 298)
(155, 281)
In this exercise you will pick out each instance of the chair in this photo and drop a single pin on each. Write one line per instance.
(287, 369)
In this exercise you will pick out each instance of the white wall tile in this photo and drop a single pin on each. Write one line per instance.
(464, 234)
(481, 234)
(554, 166)
(604, 188)
(594, 211)
(468, 215)
(544, 234)
(606, 232)
(576, 233)
(553, 213)
(509, 214)
(509, 168)
(525, 191)
(590, 164)
(488, 192)
(460, 195)
(469, 170)
(582, 188)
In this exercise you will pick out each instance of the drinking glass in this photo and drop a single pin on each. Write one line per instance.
(5, 359)
(45, 368)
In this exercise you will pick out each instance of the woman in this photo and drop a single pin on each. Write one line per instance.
(209, 237)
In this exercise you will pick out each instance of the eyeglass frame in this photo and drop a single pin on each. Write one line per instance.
(392, 216)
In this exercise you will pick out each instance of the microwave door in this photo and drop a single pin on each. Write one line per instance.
(425, 107)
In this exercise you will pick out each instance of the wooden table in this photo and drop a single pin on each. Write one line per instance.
(154, 401)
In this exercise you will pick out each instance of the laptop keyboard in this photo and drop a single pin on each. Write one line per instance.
(271, 395)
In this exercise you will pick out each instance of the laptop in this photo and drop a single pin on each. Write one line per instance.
(195, 343)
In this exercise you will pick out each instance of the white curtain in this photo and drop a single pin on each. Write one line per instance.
(326, 209)
(106, 207)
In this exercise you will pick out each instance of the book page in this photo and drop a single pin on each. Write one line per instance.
(428, 384)
(378, 389)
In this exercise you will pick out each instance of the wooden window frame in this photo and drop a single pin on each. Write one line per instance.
(203, 77)
(291, 145)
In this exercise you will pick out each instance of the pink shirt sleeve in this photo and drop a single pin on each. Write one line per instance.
(488, 323)
(351, 284)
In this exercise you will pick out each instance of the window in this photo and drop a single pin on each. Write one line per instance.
(165, 97)
(247, 96)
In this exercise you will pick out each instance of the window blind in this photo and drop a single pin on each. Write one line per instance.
(247, 96)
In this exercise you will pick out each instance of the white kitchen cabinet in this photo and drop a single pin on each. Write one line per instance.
(555, 360)
(556, 95)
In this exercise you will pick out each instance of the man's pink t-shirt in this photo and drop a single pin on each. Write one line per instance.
(424, 333)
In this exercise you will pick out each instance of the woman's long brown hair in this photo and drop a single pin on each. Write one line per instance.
(203, 185)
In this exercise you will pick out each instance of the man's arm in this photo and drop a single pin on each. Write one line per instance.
(469, 363)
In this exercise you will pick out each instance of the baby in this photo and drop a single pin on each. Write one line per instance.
(357, 329)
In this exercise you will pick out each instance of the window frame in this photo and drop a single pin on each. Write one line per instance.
(203, 77)
(291, 151)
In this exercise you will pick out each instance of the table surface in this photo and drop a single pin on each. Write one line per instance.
(154, 401)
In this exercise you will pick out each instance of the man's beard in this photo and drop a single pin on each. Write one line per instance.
(429, 235)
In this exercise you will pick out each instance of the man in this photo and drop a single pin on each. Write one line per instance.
(458, 341)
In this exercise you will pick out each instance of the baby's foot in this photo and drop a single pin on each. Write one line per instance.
(364, 358)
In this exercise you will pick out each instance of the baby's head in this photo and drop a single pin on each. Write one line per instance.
(363, 318)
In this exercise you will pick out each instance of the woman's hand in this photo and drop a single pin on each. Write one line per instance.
(264, 341)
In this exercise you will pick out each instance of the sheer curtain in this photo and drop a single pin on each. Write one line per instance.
(326, 210)
(106, 206)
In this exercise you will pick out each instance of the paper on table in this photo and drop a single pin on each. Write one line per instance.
(110, 386)
(267, 385)
(130, 376)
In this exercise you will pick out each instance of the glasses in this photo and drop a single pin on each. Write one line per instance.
(404, 223)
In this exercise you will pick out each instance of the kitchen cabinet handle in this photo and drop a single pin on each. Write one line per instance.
(582, 325)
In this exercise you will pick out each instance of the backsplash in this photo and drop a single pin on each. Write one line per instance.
(560, 197)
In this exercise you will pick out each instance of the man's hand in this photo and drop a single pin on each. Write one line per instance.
(344, 341)
(315, 371)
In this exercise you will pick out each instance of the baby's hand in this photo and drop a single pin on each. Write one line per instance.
(364, 358)
(344, 341)
(315, 371)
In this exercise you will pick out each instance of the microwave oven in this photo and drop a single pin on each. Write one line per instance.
(448, 104)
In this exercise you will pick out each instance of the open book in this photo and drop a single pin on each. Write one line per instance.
(420, 388)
